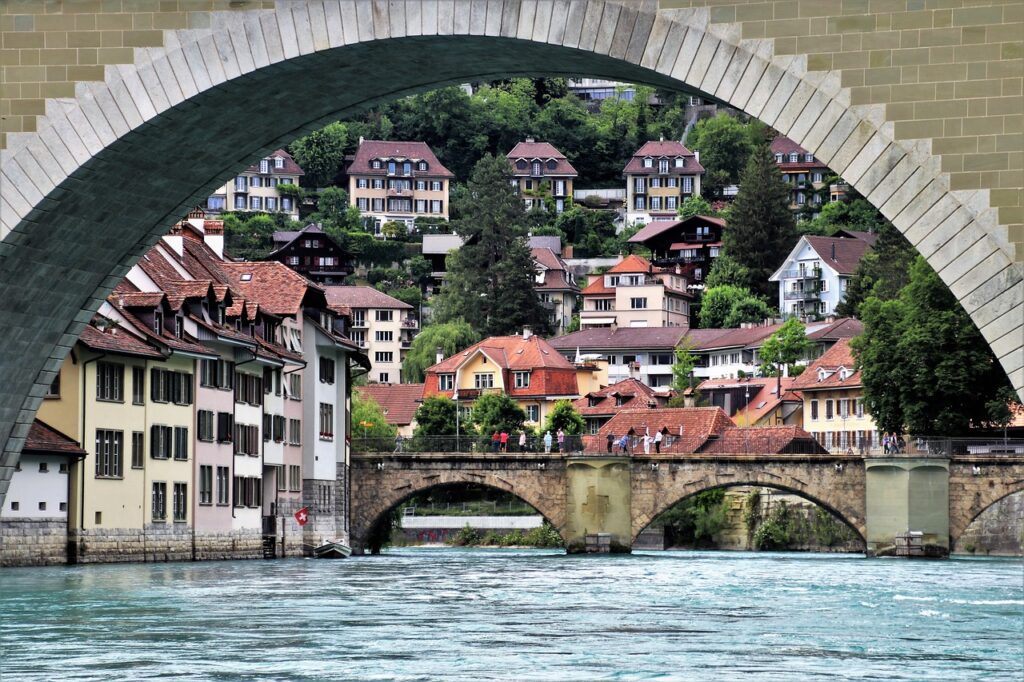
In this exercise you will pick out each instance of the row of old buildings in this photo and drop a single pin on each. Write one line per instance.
(203, 406)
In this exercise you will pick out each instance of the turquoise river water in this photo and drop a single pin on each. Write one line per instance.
(478, 614)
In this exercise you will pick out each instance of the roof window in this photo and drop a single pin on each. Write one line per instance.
(246, 277)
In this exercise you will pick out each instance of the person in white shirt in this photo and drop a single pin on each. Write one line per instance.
(657, 442)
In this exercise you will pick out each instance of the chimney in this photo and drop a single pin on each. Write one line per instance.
(213, 236)
(833, 251)
(527, 333)
(529, 140)
(175, 240)
(696, 156)
(439, 357)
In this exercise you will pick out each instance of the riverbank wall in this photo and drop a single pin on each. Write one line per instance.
(427, 530)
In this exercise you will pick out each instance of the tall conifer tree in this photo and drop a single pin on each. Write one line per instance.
(490, 279)
(761, 230)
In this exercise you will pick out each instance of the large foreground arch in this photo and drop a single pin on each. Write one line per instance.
(99, 172)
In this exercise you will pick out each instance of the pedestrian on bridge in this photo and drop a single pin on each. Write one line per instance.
(624, 444)
(398, 443)
(561, 440)
(657, 441)
(522, 441)
(611, 442)
(495, 441)
(547, 442)
(504, 441)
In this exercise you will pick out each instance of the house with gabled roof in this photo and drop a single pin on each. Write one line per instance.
(833, 401)
(805, 173)
(313, 254)
(683, 429)
(381, 325)
(398, 181)
(814, 276)
(635, 294)
(541, 173)
(755, 401)
(691, 245)
(659, 177)
(526, 368)
(555, 286)
(255, 188)
(597, 407)
(398, 402)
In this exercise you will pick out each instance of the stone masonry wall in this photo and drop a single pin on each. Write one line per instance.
(998, 530)
(33, 542)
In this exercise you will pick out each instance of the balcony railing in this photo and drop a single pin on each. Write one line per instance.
(813, 273)
(359, 323)
(410, 323)
(811, 295)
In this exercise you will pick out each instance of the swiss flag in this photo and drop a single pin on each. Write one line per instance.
(302, 516)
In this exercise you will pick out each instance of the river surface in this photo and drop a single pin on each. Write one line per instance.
(477, 614)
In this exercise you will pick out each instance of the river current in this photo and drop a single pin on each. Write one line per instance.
(477, 614)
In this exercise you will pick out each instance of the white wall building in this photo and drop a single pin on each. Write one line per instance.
(813, 278)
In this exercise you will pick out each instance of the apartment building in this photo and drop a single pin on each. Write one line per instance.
(541, 175)
(256, 188)
(804, 173)
(556, 288)
(659, 177)
(381, 325)
(755, 401)
(526, 368)
(833, 402)
(815, 275)
(691, 245)
(634, 293)
(391, 181)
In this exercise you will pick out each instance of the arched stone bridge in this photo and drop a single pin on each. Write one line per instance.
(113, 124)
(588, 494)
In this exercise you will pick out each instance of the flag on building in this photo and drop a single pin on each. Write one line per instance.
(302, 516)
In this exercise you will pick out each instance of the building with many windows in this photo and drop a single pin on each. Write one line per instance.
(691, 245)
(659, 177)
(556, 288)
(805, 173)
(381, 325)
(391, 181)
(644, 354)
(634, 293)
(814, 277)
(256, 188)
(541, 174)
(313, 254)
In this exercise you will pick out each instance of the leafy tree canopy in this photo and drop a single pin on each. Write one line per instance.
(729, 306)
(450, 337)
(725, 143)
(321, 154)
(882, 272)
(497, 412)
(436, 417)
(564, 416)
(368, 420)
(727, 271)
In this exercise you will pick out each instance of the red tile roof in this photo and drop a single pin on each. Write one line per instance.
(763, 399)
(361, 297)
(117, 341)
(274, 286)
(689, 427)
(623, 338)
(551, 374)
(843, 328)
(398, 401)
(656, 149)
(783, 145)
(634, 395)
(848, 252)
(544, 151)
(739, 338)
(44, 438)
(869, 237)
(290, 167)
(773, 440)
(555, 270)
(631, 264)
(140, 299)
(390, 149)
(823, 373)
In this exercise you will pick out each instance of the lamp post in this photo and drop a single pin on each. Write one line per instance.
(455, 395)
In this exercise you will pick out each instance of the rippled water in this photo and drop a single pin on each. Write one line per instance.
(427, 614)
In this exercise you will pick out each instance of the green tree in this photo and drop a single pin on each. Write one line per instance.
(856, 214)
(490, 279)
(564, 416)
(321, 153)
(924, 365)
(682, 369)
(787, 345)
(436, 417)
(497, 412)
(250, 236)
(727, 271)
(882, 272)
(450, 337)
(368, 420)
(695, 520)
(395, 230)
(761, 230)
(724, 145)
(729, 306)
(695, 205)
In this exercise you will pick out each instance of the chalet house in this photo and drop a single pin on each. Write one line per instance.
(804, 172)
(814, 277)
(597, 407)
(691, 245)
(541, 173)
(312, 254)
(435, 248)
(391, 181)
(256, 188)
(526, 368)
(659, 177)
(556, 287)
(634, 293)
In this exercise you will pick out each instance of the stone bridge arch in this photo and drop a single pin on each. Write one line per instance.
(375, 492)
(181, 108)
(972, 493)
(841, 492)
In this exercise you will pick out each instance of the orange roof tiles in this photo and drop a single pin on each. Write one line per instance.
(274, 286)
(773, 440)
(824, 372)
(398, 401)
(117, 341)
(634, 395)
(631, 264)
(44, 438)
(689, 427)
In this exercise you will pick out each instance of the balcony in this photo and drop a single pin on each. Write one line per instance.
(399, 192)
(810, 295)
(411, 323)
(812, 274)
(359, 323)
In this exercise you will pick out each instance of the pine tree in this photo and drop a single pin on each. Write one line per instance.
(761, 230)
(490, 279)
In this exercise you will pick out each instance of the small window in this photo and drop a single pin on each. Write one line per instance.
(15, 506)
(63, 506)
(63, 468)
(43, 467)
(99, 518)
(42, 506)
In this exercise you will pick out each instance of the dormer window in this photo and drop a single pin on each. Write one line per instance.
(521, 164)
(663, 166)
(809, 158)
(158, 322)
(375, 164)
(680, 162)
(552, 164)
(391, 167)
(278, 162)
(794, 157)
(238, 324)
(422, 165)
(594, 401)
(648, 162)
(778, 157)
(265, 166)
(536, 168)
(178, 327)
(220, 314)
(407, 168)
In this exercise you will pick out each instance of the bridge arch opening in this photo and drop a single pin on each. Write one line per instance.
(160, 133)
(373, 528)
(751, 515)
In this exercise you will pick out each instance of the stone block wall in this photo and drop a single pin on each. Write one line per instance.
(33, 542)
(999, 530)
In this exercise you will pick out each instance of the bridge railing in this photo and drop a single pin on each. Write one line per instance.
(468, 444)
(953, 447)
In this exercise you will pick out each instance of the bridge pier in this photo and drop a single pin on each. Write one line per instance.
(907, 494)
(598, 500)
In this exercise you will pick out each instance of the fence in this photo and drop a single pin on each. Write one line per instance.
(467, 444)
(953, 447)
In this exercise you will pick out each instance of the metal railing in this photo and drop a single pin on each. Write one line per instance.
(801, 295)
(952, 447)
(467, 444)
(813, 273)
